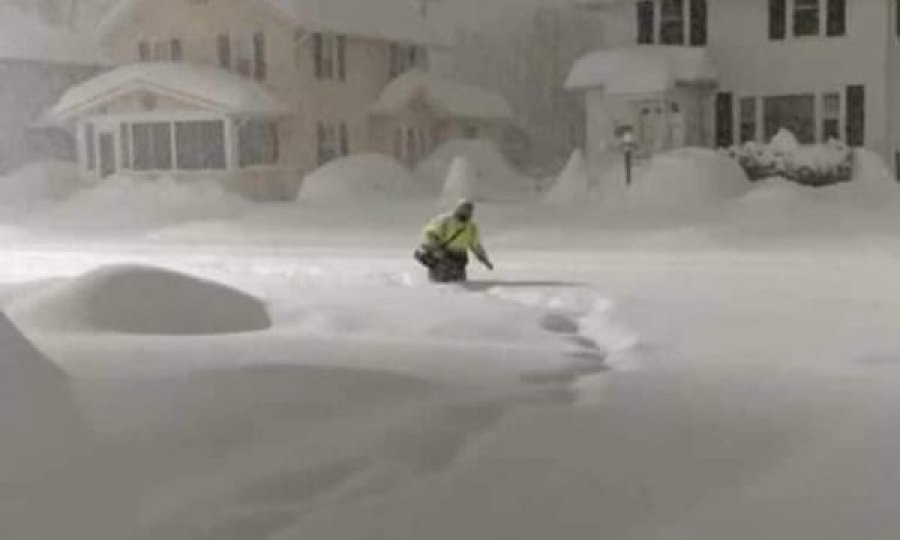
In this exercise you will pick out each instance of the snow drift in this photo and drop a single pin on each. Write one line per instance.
(37, 185)
(497, 179)
(121, 203)
(141, 300)
(40, 426)
(359, 178)
(573, 185)
(688, 178)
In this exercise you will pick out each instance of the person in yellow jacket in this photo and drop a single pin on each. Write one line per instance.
(448, 240)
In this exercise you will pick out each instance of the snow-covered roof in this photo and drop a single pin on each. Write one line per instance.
(209, 87)
(643, 69)
(446, 98)
(394, 20)
(25, 37)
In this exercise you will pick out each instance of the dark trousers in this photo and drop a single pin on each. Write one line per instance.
(450, 268)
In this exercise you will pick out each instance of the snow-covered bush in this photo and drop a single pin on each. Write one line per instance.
(809, 165)
(364, 176)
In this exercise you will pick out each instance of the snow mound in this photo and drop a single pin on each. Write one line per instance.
(40, 425)
(573, 184)
(461, 181)
(358, 177)
(688, 178)
(122, 203)
(497, 179)
(143, 301)
(37, 184)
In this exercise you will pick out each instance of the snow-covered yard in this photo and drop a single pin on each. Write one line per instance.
(732, 375)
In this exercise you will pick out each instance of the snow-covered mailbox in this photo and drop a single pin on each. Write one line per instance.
(660, 92)
(182, 120)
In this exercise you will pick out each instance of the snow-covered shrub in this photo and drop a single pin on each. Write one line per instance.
(809, 165)
(359, 177)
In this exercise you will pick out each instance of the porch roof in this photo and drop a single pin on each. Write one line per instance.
(448, 99)
(207, 87)
(644, 69)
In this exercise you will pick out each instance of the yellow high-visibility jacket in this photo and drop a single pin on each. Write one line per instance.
(444, 227)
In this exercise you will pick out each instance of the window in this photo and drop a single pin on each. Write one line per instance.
(144, 51)
(259, 56)
(411, 144)
(724, 119)
(748, 119)
(837, 18)
(795, 113)
(223, 44)
(243, 57)
(777, 19)
(699, 31)
(831, 116)
(90, 150)
(200, 145)
(856, 115)
(406, 57)
(671, 30)
(645, 21)
(806, 18)
(330, 56)
(332, 141)
(152, 146)
(162, 51)
(258, 143)
(177, 51)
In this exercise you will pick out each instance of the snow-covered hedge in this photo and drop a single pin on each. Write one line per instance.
(809, 165)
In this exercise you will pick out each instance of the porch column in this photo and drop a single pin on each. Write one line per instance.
(230, 144)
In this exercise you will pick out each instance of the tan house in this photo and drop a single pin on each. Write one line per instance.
(259, 92)
(418, 110)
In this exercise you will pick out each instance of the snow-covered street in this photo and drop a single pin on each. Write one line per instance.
(748, 394)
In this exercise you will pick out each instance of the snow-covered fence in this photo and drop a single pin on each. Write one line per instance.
(810, 165)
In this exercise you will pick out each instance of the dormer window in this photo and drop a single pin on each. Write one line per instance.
(330, 56)
(672, 22)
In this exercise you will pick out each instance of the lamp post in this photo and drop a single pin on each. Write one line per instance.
(628, 145)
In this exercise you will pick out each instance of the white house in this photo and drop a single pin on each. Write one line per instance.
(720, 72)
(37, 63)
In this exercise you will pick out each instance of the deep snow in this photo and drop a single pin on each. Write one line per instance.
(727, 370)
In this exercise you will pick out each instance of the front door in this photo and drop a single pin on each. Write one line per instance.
(107, 148)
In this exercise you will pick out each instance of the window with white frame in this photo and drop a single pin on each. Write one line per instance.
(244, 55)
(151, 144)
(672, 27)
(680, 22)
(258, 142)
(831, 116)
(807, 18)
(796, 113)
(330, 56)
(161, 50)
(406, 57)
(332, 141)
(200, 145)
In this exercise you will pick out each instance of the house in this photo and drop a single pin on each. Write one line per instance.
(417, 111)
(37, 63)
(723, 72)
(257, 93)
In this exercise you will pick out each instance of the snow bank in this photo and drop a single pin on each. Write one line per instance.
(123, 203)
(497, 180)
(38, 184)
(573, 184)
(359, 178)
(40, 426)
(141, 300)
(688, 178)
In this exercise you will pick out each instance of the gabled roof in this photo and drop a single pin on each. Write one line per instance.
(392, 20)
(25, 37)
(208, 87)
(643, 69)
(446, 98)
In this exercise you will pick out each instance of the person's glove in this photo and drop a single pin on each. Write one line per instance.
(487, 263)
